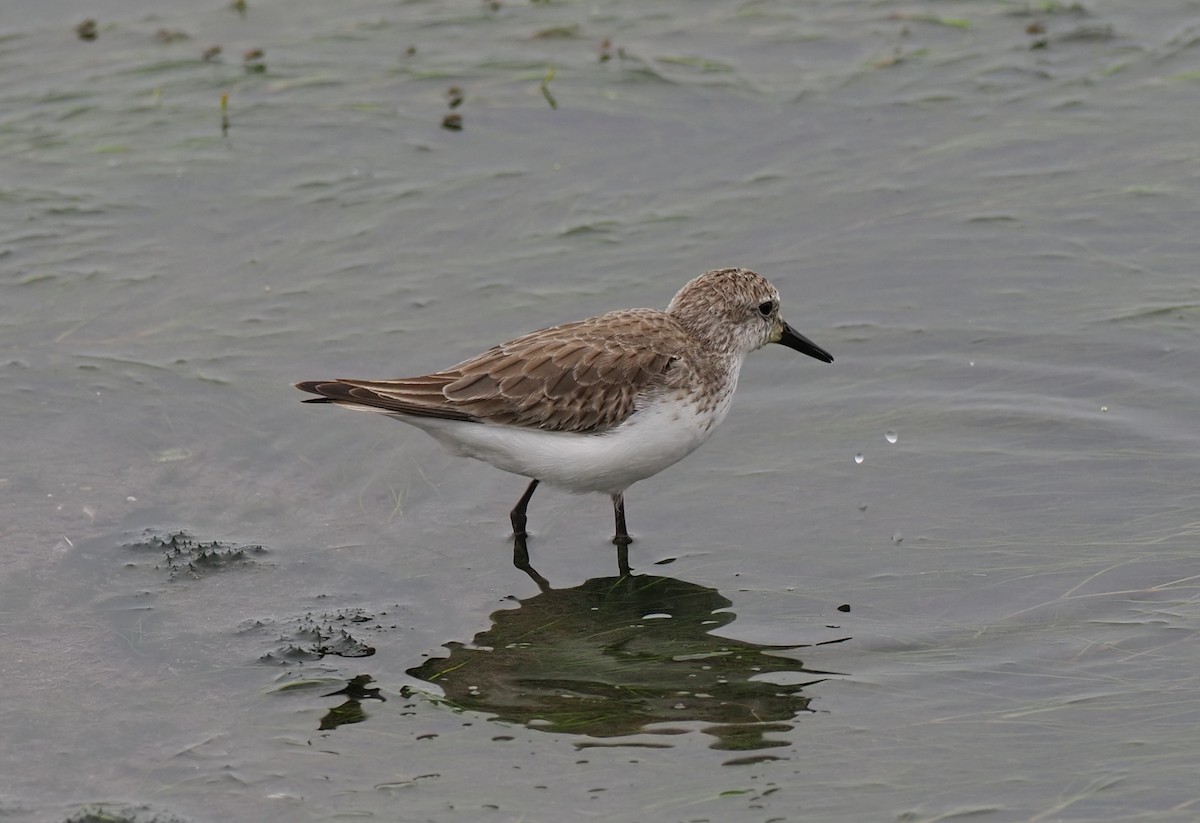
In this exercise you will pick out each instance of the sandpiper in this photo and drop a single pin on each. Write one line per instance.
(595, 405)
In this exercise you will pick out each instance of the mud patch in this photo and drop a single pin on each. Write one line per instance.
(120, 814)
(313, 636)
(179, 554)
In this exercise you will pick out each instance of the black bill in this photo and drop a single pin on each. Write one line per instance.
(795, 340)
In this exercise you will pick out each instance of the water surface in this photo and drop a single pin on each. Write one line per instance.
(221, 604)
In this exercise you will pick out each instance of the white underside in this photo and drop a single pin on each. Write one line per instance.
(654, 438)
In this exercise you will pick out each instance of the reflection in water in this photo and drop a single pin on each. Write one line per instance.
(356, 691)
(620, 654)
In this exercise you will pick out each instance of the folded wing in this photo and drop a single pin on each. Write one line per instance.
(579, 377)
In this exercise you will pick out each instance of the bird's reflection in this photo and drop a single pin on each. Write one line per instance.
(626, 655)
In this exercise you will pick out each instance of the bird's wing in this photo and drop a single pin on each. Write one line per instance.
(420, 396)
(578, 377)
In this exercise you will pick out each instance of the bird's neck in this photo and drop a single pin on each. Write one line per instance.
(709, 331)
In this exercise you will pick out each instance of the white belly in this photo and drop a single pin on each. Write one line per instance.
(650, 441)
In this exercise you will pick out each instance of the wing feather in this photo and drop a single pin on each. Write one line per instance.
(578, 377)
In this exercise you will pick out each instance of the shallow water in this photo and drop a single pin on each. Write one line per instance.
(985, 210)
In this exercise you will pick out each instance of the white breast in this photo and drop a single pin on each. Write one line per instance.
(655, 437)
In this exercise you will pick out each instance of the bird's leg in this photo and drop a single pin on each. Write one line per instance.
(623, 560)
(520, 549)
(521, 561)
(622, 538)
(517, 515)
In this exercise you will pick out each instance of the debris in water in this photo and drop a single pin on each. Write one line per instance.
(254, 61)
(546, 88)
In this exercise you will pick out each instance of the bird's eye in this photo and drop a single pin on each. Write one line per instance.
(766, 308)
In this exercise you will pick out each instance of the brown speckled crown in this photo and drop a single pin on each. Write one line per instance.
(717, 305)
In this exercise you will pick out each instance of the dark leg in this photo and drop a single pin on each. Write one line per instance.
(520, 550)
(517, 515)
(521, 561)
(623, 560)
(622, 538)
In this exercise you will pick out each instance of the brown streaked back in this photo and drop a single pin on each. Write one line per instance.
(582, 377)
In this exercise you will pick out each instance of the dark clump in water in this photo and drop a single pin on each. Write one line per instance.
(351, 711)
(103, 814)
(182, 554)
(254, 61)
(312, 637)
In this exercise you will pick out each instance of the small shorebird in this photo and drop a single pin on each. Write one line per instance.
(595, 405)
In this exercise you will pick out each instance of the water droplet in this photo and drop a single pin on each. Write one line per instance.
(171, 455)
(970, 362)
(890, 436)
(858, 458)
(897, 538)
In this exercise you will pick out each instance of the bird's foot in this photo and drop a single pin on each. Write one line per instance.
(623, 558)
(521, 561)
